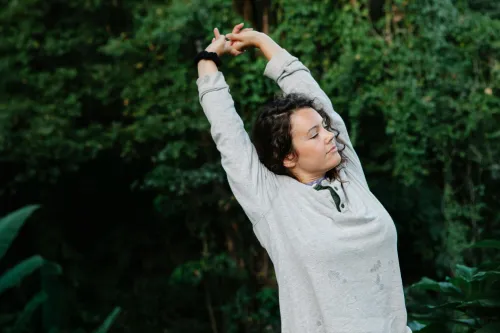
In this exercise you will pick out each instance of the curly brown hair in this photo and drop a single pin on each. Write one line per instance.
(272, 136)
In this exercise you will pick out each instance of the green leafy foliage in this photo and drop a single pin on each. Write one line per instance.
(10, 225)
(9, 228)
(469, 301)
(14, 276)
(109, 321)
(24, 317)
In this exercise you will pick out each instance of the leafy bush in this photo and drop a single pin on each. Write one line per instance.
(467, 302)
(20, 322)
(9, 228)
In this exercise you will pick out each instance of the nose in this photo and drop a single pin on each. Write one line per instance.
(329, 137)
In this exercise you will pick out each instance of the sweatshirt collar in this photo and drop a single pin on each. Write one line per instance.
(317, 181)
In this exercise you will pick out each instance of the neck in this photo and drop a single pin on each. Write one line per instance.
(306, 179)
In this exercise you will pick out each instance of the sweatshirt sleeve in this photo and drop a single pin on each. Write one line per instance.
(252, 184)
(293, 77)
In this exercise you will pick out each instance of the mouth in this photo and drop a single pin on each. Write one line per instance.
(332, 150)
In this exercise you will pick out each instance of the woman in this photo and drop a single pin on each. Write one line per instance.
(301, 184)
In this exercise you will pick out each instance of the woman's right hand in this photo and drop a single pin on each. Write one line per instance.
(244, 39)
(221, 46)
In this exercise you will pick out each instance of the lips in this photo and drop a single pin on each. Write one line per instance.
(333, 149)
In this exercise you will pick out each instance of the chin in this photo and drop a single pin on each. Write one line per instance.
(336, 160)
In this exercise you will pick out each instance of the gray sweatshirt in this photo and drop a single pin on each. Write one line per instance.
(336, 266)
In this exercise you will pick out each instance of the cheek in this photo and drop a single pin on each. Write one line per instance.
(303, 151)
(311, 149)
(319, 148)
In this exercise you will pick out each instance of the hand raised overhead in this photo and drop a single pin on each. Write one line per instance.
(222, 46)
(243, 39)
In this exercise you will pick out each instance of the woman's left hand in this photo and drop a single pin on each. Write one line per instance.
(222, 46)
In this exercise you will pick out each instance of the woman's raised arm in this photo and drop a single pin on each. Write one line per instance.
(252, 184)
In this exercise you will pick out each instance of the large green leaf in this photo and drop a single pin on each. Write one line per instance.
(109, 321)
(426, 284)
(25, 316)
(446, 288)
(10, 225)
(465, 272)
(14, 276)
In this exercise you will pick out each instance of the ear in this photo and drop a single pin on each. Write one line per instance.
(290, 161)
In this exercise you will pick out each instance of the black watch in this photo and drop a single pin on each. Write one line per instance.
(208, 55)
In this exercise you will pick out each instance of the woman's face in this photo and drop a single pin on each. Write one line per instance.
(313, 145)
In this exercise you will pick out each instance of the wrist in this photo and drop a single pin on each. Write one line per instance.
(206, 66)
(261, 39)
(268, 46)
(210, 49)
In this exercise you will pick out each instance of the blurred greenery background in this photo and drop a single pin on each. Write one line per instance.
(117, 213)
